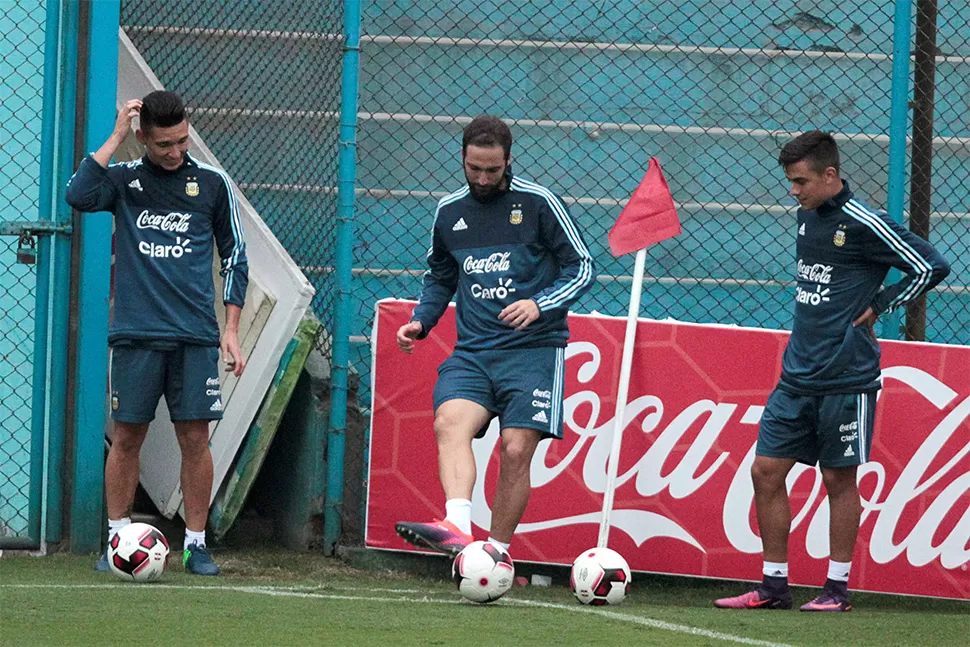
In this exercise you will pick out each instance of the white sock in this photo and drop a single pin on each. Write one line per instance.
(192, 537)
(114, 525)
(776, 569)
(459, 512)
(498, 544)
(839, 571)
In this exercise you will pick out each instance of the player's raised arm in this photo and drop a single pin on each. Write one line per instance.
(91, 188)
(892, 245)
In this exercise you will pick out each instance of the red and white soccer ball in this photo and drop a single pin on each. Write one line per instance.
(482, 572)
(138, 552)
(600, 576)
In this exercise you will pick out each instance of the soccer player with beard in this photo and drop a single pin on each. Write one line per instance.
(514, 256)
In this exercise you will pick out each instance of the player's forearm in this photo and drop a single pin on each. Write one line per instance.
(573, 281)
(104, 154)
(233, 313)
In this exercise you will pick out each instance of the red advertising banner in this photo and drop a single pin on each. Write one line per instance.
(684, 502)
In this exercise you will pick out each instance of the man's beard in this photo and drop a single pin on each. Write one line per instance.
(487, 192)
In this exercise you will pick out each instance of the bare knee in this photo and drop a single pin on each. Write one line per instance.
(768, 474)
(840, 481)
(193, 436)
(128, 437)
(447, 430)
(518, 448)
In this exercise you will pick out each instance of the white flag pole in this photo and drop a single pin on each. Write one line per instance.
(621, 395)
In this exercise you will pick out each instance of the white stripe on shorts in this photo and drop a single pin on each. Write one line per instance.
(557, 391)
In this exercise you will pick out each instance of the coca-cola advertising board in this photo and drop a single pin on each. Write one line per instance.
(684, 501)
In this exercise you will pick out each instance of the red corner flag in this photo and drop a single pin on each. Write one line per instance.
(649, 217)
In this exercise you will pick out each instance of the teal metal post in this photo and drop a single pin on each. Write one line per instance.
(45, 211)
(61, 277)
(898, 129)
(93, 292)
(333, 506)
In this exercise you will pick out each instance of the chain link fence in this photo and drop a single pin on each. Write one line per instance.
(261, 82)
(22, 28)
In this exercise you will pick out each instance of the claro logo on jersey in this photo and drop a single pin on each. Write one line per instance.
(154, 250)
(497, 262)
(175, 222)
(816, 273)
(501, 291)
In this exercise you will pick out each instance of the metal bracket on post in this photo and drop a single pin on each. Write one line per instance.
(35, 228)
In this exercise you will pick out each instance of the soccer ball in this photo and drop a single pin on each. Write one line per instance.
(138, 552)
(482, 572)
(600, 576)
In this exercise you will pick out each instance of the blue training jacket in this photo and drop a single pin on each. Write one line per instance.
(165, 224)
(844, 250)
(521, 244)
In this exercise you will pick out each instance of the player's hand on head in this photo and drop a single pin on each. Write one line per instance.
(406, 335)
(232, 354)
(520, 314)
(128, 112)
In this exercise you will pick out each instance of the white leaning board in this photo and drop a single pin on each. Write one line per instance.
(277, 298)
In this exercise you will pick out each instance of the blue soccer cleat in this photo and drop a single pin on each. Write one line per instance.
(102, 564)
(197, 560)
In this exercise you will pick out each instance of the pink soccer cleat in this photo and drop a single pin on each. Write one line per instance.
(756, 599)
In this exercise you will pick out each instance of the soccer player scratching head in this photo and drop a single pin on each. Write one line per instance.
(171, 215)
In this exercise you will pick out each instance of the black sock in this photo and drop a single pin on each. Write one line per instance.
(774, 585)
(842, 588)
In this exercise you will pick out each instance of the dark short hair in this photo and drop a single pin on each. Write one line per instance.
(161, 108)
(487, 131)
(815, 147)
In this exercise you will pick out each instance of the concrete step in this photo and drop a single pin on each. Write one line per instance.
(752, 242)
(695, 87)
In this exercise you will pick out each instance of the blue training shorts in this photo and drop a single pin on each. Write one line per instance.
(833, 430)
(523, 387)
(187, 375)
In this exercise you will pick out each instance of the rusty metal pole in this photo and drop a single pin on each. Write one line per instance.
(921, 178)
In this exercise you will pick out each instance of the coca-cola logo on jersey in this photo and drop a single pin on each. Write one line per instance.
(173, 221)
(816, 272)
(497, 262)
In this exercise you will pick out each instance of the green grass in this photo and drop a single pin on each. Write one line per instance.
(281, 598)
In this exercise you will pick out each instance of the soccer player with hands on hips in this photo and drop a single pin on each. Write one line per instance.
(514, 259)
(170, 212)
(823, 407)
